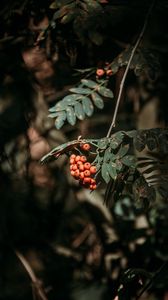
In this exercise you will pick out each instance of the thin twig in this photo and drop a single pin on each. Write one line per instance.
(153, 279)
(36, 283)
(113, 123)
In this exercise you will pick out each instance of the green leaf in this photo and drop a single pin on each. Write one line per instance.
(131, 133)
(80, 90)
(116, 140)
(89, 83)
(59, 14)
(87, 106)
(71, 99)
(58, 107)
(54, 114)
(119, 165)
(53, 5)
(114, 67)
(59, 3)
(105, 172)
(69, 17)
(105, 92)
(123, 150)
(119, 136)
(79, 111)
(98, 161)
(112, 170)
(103, 143)
(98, 101)
(71, 117)
(84, 70)
(108, 155)
(64, 10)
(59, 122)
(129, 160)
(140, 141)
(93, 4)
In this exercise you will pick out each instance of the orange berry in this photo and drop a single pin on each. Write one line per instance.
(109, 72)
(87, 166)
(79, 162)
(86, 173)
(78, 158)
(100, 72)
(93, 187)
(72, 156)
(81, 167)
(93, 170)
(73, 173)
(76, 175)
(86, 180)
(71, 167)
(83, 158)
(85, 147)
(74, 167)
(93, 181)
(72, 161)
(81, 175)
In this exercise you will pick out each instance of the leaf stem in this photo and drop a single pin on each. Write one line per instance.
(113, 123)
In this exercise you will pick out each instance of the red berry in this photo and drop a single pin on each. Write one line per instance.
(93, 170)
(72, 161)
(73, 156)
(74, 167)
(86, 173)
(86, 180)
(93, 181)
(72, 173)
(83, 158)
(93, 187)
(100, 72)
(87, 166)
(81, 175)
(81, 167)
(109, 72)
(78, 158)
(71, 167)
(77, 173)
(85, 147)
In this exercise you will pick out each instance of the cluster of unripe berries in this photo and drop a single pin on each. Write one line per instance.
(82, 170)
(106, 71)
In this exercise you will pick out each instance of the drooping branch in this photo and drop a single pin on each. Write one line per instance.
(113, 123)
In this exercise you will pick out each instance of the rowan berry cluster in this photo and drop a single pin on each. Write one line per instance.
(82, 170)
(106, 71)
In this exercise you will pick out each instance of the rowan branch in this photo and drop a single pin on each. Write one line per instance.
(113, 123)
